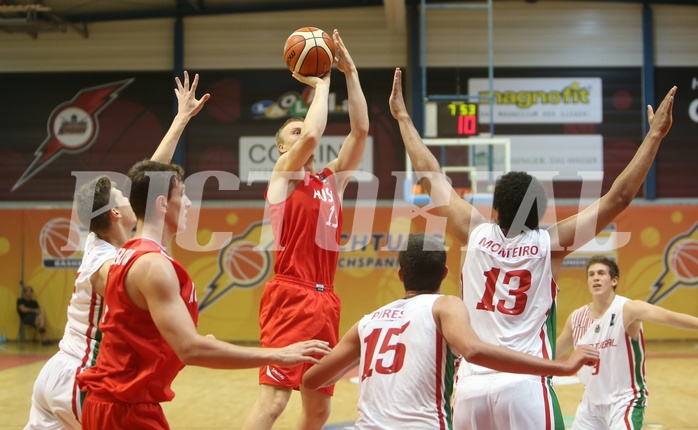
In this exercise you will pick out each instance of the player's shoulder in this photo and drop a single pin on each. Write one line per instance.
(444, 302)
(152, 264)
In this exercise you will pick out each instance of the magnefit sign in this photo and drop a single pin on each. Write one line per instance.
(540, 100)
(259, 154)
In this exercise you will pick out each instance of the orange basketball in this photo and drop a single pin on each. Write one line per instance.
(309, 51)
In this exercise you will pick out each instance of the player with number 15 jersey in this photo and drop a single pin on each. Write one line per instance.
(426, 372)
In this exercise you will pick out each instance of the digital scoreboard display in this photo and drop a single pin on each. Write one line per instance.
(456, 119)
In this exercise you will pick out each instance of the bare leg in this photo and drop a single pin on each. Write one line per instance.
(40, 324)
(270, 404)
(316, 409)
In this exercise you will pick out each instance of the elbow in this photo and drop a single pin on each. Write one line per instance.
(311, 137)
(189, 352)
(622, 195)
(360, 131)
(187, 356)
(475, 355)
(625, 198)
(310, 382)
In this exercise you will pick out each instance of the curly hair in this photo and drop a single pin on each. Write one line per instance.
(140, 182)
(88, 203)
(423, 263)
(516, 191)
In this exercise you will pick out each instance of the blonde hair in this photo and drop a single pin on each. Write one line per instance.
(280, 132)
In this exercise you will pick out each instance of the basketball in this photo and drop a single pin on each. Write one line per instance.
(684, 260)
(309, 51)
(59, 238)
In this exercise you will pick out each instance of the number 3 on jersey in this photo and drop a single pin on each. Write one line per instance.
(382, 363)
(519, 294)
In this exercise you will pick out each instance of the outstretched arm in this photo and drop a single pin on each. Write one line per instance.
(575, 231)
(636, 311)
(189, 106)
(344, 357)
(461, 215)
(152, 284)
(451, 317)
(352, 149)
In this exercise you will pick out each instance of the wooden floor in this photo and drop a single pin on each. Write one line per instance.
(215, 399)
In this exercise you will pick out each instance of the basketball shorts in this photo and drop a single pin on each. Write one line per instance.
(624, 414)
(56, 399)
(292, 311)
(105, 414)
(506, 401)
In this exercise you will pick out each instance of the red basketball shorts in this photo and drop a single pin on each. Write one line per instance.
(103, 414)
(292, 311)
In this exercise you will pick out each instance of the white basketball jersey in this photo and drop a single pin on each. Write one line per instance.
(620, 372)
(406, 368)
(81, 336)
(508, 288)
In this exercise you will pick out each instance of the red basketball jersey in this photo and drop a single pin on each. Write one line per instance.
(135, 364)
(307, 229)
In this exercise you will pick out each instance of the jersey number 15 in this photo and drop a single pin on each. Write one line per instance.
(386, 347)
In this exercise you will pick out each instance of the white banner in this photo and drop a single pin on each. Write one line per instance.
(259, 154)
(564, 155)
(540, 100)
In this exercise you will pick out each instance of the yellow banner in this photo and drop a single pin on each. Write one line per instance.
(227, 254)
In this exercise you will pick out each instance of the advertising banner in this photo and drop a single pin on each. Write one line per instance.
(656, 248)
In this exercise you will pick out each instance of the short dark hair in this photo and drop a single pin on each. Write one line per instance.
(423, 263)
(140, 183)
(280, 132)
(511, 191)
(87, 203)
(613, 269)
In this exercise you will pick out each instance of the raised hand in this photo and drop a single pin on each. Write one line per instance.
(397, 101)
(189, 106)
(342, 58)
(301, 352)
(313, 81)
(660, 122)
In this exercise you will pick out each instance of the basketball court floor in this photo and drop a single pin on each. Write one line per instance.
(209, 399)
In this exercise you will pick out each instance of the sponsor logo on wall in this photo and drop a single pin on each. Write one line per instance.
(73, 126)
(58, 247)
(680, 266)
(259, 154)
(540, 100)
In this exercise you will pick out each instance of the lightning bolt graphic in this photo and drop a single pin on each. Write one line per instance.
(670, 279)
(91, 101)
(260, 236)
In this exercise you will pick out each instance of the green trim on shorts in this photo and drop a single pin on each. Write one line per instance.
(558, 418)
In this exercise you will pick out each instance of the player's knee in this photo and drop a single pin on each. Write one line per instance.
(318, 414)
(276, 404)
